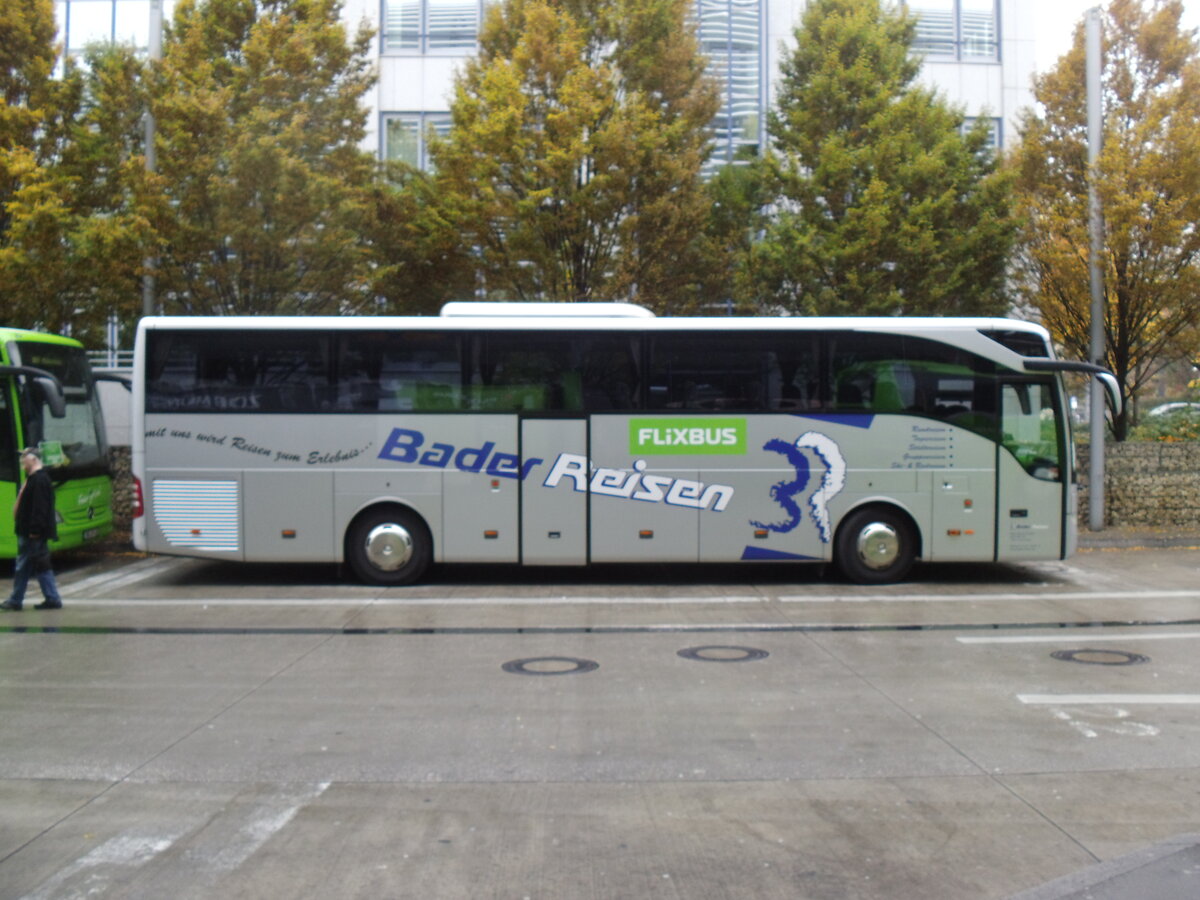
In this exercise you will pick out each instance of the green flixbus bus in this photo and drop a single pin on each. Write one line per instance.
(551, 434)
(48, 400)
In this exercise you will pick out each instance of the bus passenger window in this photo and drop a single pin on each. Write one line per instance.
(793, 374)
(608, 374)
(711, 371)
(399, 371)
(523, 371)
(860, 361)
(1029, 429)
(284, 372)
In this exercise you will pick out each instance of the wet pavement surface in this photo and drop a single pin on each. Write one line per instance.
(194, 729)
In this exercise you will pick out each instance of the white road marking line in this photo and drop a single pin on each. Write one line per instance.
(420, 601)
(1081, 636)
(264, 824)
(1110, 699)
(964, 598)
(126, 850)
(124, 576)
(564, 600)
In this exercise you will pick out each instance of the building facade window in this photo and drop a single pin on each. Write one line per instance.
(965, 30)
(406, 136)
(431, 26)
(82, 23)
(731, 35)
(995, 131)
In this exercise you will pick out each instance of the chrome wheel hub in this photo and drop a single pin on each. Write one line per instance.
(878, 545)
(389, 546)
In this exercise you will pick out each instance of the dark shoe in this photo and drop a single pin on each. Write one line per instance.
(48, 605)
(10, 606)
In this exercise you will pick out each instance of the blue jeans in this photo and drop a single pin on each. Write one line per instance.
(28, 550)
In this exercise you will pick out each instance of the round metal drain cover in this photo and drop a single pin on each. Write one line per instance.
(550, 665)
(1101, 657)
(723, 654)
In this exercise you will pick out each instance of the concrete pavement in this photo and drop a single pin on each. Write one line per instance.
(195, 730)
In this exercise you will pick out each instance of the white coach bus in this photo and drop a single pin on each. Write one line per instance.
(550, 434)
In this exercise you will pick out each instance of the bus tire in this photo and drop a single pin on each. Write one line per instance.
(389, 546)
(875, 545)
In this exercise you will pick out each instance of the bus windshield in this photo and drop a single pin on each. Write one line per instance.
(80, 434)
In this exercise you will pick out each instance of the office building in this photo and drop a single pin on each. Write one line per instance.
(979, 53)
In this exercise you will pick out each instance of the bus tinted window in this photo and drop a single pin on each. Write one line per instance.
(80, 431)
(554, 372)
(67, 364)
(880, 373)
(256, 371)
(376, 371)
(407, 370)
(1022, 342)
(734, 370)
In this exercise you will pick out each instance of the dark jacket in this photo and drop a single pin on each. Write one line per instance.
(35, 511)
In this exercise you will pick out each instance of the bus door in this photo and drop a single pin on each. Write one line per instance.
(554, 496)
(1031, 471)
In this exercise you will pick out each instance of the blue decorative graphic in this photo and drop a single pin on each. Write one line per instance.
(851, 420)
(751, 554)
(784, 492)
(833, 480)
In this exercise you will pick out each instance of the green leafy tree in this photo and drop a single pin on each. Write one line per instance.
(738, 202)
(420, 261)
(882, 206)
(573, 165)
(68, 240)
(105, 163)
(1148, 180)
(261, 186)
(31, 195)
(27, 54)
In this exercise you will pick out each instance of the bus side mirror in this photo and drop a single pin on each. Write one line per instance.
(1105, 377)
(45, 387)
(1112, 389)
(122, 380)
(50, 392)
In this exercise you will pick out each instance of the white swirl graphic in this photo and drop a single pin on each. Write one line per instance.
(832, 482)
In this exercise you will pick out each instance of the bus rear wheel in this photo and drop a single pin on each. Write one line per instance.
(389, 546)
(875, 545)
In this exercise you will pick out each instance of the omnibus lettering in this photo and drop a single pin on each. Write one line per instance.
(694, 436)
(691, 437)
(406, 445)
(636, 485)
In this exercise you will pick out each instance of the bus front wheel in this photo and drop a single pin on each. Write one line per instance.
(876, 545)
(389, 546)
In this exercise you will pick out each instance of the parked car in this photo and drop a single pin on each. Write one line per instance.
(1171, 409)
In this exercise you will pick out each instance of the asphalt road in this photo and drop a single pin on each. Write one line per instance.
(191, 729)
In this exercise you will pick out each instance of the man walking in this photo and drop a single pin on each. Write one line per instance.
(35, 522)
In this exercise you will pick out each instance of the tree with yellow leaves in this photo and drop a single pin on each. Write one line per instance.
(573, 164)
(66, 244)
(263, 187)
(1148, 180)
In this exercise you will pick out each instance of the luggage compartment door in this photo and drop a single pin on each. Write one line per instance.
(554, 516)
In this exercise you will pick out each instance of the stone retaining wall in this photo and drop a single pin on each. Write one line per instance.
(121, 460)
(1146, 484)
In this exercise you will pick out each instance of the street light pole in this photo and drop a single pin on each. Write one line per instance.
(154, 54)
(1095, 252)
